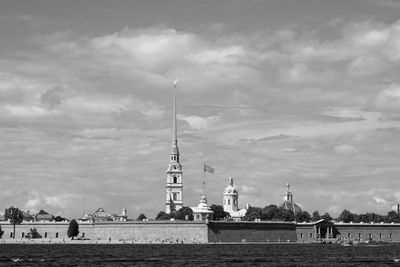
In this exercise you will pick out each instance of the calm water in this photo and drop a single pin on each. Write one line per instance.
(199, 255)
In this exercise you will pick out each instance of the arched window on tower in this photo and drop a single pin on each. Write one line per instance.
(174, 196)
(229, 201)
(175, 179)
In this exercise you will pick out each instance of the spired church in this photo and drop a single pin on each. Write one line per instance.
(201, 212)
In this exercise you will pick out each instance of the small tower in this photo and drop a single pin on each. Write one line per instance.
(174, 187)
(231, 197)
(288, 203)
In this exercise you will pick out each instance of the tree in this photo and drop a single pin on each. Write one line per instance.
(303, 216)
(141, 217)
(163, 216)
(315, 216)
(286, 215)
(326, 217)
(346, 216)
(59, 219)
(73, 229)
(183, 212)
(1, 232)
(14, 215)
(33, 234)
(43, 212)
(252, 214)
(219, 213)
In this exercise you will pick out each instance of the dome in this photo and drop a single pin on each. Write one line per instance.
(230, 189)
(290, 205)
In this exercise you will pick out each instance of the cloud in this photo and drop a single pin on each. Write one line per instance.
(389, 98)
(200, 123)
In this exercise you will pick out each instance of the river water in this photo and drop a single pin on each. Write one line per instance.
(198, 255)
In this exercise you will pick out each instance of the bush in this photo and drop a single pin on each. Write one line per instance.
(73, 229)
(33, 234)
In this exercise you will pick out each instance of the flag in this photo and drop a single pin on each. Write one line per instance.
(208, 169)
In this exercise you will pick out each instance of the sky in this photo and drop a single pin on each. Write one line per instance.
(304, 92)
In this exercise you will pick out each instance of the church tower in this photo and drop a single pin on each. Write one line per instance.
(174, 200)
(231, 197)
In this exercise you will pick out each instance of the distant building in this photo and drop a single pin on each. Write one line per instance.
(202, 211)
(288, 203)
(27, 216)
(2, 216)
(44, 217)
(231, 201)
(100, 215)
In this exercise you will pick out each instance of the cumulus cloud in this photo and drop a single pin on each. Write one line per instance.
(199, 123)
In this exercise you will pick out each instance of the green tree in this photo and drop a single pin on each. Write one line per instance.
(73, 229)
(33, 234)
(270, 213)
(219, 213)
(14, 215)
(315, 216)
(183, 212)
(141, 217)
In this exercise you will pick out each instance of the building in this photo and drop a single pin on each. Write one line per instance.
(100, 215)
(231, 201)
(174, 187)
(202, 211)
(288, 203)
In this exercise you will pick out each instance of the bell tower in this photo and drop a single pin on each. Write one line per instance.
(174, 197)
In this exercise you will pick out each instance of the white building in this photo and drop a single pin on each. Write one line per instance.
(231, 201)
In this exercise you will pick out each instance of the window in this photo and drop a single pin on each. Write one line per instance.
(229, 201)
(45, 235)
(310, 235)
(359, 235)
(370, 236)
(348, 235)
(301, 235)
(174, 196)
(57, 235)
(23, 235)
(175, 179)
(390, 235)
(83, 235)
(380, 236)
(11, 235)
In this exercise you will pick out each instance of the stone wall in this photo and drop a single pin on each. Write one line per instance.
(251, 232)
(136, 232)
(377, 232)
(355, 231)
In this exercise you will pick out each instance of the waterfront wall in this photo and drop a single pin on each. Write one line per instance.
(251, 232)
(380, 232)
(135, 232)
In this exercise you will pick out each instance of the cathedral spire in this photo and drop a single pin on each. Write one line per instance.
(174, 187)
(174, 148)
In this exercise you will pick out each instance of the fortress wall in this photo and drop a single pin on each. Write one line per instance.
(377, 232)
(251, 232)
(138, 232)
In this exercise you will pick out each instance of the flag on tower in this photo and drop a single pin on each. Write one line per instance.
(208, 168)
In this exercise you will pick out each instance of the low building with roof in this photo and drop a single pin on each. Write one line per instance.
(202, 211)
